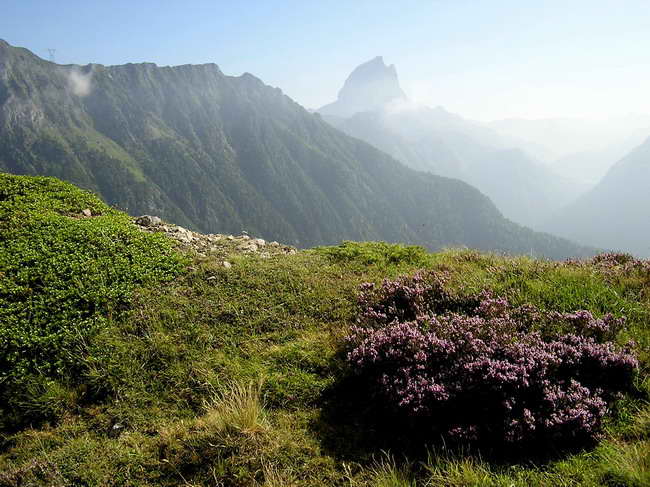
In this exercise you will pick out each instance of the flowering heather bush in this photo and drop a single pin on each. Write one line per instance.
(613, 262)
(407, 298)
(487, 373)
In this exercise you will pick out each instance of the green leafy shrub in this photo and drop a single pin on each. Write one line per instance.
(377, 253)
(62, 275)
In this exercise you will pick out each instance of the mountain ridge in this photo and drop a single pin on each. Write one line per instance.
(446, 144)
(225, 154)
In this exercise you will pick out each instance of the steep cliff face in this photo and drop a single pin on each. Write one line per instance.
(225, 154)
(369, 87)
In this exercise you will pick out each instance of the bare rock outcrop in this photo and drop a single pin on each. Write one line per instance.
(217, 245)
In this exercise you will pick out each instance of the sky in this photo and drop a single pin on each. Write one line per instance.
(483, 59)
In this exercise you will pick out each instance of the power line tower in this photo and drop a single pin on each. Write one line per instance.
(52, 52)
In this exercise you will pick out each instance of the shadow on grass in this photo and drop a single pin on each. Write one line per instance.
(355, 426)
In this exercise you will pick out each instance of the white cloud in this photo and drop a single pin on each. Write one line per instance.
(80, 83)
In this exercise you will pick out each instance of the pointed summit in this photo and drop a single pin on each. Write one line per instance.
(368, 88)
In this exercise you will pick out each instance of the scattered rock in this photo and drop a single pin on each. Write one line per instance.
(212, 245)
(148, 221)
(86, 212)
(116, 430)
(212, 278)
(247, 247)
(226, 264)
(184, 237)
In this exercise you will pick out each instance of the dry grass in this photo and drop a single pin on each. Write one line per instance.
(274, 477)
(237, 409)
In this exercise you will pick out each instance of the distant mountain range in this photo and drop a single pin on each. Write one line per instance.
(434, 140)
(581, 150)
(225, 154)
(616, 212)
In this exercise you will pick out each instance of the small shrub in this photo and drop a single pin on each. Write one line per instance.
(487, 373)
(62, 276)
(613, 263)
(376, 253)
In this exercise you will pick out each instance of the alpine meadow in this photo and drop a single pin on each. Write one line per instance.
(410, 250)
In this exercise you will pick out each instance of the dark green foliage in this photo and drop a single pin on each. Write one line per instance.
(377, 253)
(226, 154)
(62, 277)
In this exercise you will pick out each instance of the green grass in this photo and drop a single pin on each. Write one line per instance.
(194, 374)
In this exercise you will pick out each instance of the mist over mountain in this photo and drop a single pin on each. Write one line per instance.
(581, 150)
(614, 214)
(225, 154)
(443, 143)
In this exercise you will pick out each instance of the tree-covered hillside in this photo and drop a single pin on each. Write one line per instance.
(226, 154)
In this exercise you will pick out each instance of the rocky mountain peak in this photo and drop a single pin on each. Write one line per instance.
(369, 87)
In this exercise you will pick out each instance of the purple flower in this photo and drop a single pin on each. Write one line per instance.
(480, 368)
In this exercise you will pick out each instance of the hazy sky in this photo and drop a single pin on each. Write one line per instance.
(484, 59)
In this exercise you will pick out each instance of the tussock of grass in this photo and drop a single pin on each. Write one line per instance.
(386, 473)
(274, 477)
(464, 472)
(238, 409)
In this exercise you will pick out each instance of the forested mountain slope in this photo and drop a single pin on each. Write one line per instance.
(225, 154)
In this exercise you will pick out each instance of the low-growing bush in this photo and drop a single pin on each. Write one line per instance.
(477, 368)
(376, 253)
(62, 275)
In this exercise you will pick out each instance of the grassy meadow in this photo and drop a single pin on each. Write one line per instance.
(128, 362)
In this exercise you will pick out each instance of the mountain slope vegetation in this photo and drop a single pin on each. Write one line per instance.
(226, 154)
(195, 373)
